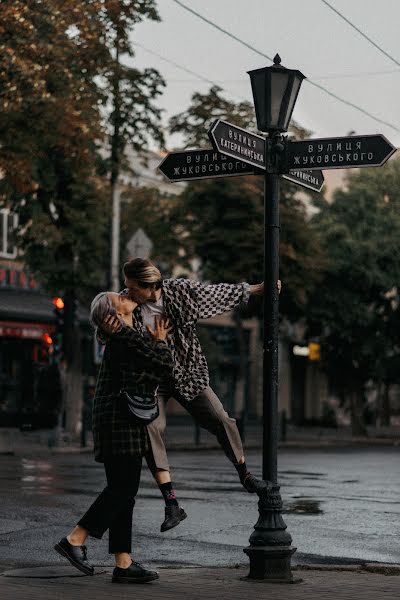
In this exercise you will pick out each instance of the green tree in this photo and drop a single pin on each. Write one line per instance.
(134, 117)
(355, 310)
(194, 122)
(50, 127)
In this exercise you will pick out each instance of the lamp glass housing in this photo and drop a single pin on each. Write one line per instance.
(275, 90)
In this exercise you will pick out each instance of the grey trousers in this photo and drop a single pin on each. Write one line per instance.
(208, 412)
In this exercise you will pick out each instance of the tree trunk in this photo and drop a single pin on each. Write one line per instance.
(73, 391)
(385, 406)
(358, 426)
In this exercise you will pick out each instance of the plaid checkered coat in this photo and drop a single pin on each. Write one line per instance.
(136, 363)
(185, 302)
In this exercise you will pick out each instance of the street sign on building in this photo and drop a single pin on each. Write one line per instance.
(340, 153)
(238, 143)
(201, 164)
(313, 180)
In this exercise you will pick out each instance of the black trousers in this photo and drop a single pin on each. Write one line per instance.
(113, 508)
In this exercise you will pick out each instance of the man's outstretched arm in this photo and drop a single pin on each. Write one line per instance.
(214, 299)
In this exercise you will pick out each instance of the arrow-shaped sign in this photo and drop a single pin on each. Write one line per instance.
(313, 180)
(201, 164)
(209, 164)
(238, 143)
(340, 153)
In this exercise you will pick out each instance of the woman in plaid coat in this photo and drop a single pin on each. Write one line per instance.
(138, 364)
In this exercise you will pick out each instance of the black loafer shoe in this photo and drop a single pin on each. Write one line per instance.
(135, 573)
(76, 555)
(173, 516)
(254, 485)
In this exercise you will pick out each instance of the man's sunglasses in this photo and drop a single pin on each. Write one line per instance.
(145, 285)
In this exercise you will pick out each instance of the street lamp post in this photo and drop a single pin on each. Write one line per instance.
(275, 91)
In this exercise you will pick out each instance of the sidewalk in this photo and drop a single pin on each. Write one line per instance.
(336, 583)
(182, 436)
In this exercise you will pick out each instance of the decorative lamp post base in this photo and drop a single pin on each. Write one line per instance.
(271, 564)
(270, 547)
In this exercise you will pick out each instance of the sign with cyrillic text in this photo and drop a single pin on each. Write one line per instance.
(201, 164)
(313, 180)
(238, 143)
(340, 153)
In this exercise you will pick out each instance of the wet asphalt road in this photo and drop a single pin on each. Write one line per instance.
(340, 505)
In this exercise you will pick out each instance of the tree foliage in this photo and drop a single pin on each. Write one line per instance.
(62, 79)
(194, 122)
(355, 310)
(64, 89)
(134, 117)
(50, 52)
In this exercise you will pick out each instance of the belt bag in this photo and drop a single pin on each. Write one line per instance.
(141, 408)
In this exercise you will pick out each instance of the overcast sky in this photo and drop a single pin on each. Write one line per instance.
(307, 35)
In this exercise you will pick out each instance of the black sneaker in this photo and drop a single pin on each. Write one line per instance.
(77, 555)
(135, 573)
(173, 516)
(254, 485)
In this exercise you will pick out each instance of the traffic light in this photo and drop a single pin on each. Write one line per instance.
(47, 347)
(314, 351)
(47, 339)
(59, 314)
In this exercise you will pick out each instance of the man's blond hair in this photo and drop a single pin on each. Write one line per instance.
(142, 269)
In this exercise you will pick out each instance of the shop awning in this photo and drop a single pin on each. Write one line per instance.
(28, 331)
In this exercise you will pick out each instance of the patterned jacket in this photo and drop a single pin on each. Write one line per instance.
(134, 362)
(185, 302)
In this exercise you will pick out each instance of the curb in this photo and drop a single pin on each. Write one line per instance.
(378, 568)
(320, 444)
(55, 572)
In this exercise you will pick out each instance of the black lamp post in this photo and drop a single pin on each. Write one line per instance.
(275, 91)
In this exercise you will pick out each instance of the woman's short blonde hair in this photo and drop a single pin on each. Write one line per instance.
(100, 308)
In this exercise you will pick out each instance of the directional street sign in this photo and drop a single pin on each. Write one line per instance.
(238, 143)
(313, 180)
(340, 153)
(208, 164)
(201, 164)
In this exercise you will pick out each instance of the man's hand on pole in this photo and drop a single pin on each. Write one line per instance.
(258, 288)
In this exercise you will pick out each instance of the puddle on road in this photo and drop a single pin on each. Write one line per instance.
(42, 478)
(350, 481)
(303, 474)
(303, 506)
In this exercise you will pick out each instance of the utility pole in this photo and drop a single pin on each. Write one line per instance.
(115, 236)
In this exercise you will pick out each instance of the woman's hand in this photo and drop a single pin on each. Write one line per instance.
(111, 324)
(161, 329)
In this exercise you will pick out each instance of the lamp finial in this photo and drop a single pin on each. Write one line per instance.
(277, 59)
